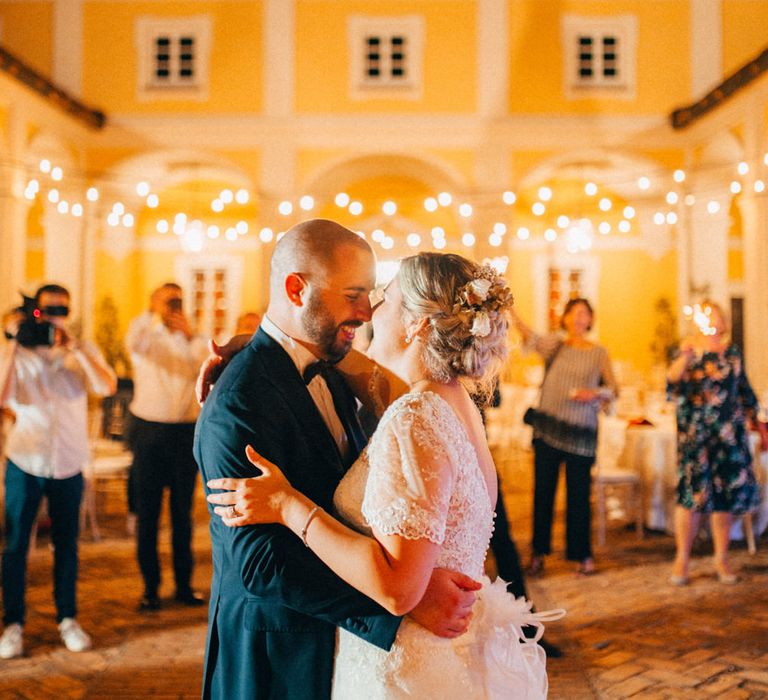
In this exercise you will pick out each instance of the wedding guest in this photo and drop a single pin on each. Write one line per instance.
(45, 376)
(578, 380)
(165, 353)
(715, 405)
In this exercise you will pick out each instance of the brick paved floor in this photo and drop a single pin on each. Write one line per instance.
(627, 633)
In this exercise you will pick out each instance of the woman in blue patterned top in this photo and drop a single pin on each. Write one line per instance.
(715, 404)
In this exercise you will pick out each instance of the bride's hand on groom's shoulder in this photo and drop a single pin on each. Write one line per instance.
(445, 609)
(253, 500)
(214, 364)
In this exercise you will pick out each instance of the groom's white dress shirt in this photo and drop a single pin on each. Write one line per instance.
(318, 389)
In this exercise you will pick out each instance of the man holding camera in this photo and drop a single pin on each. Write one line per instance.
(166, 355)
(44, 377)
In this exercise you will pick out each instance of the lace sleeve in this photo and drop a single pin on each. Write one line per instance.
(411, 473)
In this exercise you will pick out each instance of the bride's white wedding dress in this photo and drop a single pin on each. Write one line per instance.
(419, 477)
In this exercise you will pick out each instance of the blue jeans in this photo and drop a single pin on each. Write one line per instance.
(23, 493)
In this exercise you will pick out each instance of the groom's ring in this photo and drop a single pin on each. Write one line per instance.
(233, 512)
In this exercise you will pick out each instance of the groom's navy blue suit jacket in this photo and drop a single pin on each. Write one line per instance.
(274, 605)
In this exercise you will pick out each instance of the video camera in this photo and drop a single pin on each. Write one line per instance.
(33, 332)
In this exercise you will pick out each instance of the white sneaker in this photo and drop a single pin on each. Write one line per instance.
(73, 636)
(12, 642)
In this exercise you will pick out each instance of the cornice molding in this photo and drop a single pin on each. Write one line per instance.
(44, 87)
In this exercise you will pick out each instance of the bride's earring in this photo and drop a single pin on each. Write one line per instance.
(408, 338)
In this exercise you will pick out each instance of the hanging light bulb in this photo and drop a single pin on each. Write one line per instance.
(92, 195)
(465, 210)
(142, 189)
(307, 202)
(523, 233)
(468, 239)
(355, 208)
(57, 174)
(605, 204)
(672, 198)
(45, 165)
(742, 168)
(644, 183)
(538, 209)
(413, 240)
(242, 196)
(545, 194)
(430, 204)
(152, 201)
(444, 199)
(389, 208)
(227, 196)
(285, 208)
(590, 189)
(509, 197)
(500, 228)
(162, 226)
(678, 175)
(266, 234)
(342, 199)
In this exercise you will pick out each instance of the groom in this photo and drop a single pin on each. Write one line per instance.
(274, 605)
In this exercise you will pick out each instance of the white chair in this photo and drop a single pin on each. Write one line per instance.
(609, 476)
(109, 461)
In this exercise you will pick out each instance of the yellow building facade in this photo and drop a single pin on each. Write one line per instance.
(532, 133)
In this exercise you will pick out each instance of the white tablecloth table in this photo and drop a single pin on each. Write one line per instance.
(651, 451)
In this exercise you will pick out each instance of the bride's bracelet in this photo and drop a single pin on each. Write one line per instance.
(310, 517)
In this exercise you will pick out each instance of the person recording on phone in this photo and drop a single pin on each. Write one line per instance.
(45, 376)
(166, 354)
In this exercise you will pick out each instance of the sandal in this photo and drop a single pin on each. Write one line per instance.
(536, 567)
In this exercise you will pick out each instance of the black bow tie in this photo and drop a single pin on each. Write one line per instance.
(320, 367)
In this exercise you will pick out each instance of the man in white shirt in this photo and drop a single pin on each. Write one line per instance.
(43, 379)
(165, 354)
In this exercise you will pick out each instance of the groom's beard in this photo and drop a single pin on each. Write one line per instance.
(333, 339)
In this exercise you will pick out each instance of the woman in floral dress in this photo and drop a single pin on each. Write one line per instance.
(715, 404)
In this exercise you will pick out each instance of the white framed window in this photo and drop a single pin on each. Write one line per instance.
(173, 57)
(600, 56)
(211, 286)
(558, 277)
(387, 55)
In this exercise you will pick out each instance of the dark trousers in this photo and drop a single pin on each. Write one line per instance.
(578, 519)
(505, 552)
(162, 457)
(23, 493)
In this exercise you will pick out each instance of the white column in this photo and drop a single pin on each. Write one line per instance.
(706, 46)
(492, 58)
(13, 214)
(68, 45)
(279, 53)
(63, 244)
(709, 248)
(754, 216)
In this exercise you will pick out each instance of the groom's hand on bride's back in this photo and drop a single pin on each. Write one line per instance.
(214, 364)
(446, 606)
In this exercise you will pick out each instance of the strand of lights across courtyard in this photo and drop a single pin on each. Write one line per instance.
(577, 230)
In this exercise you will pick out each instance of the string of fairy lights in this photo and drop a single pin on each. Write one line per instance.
(232, 212)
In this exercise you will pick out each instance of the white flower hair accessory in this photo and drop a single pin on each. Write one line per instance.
(482, 300)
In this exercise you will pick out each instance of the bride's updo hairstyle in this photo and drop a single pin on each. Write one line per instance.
(466, 306)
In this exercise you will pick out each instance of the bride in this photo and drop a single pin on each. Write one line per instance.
(421, 495)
